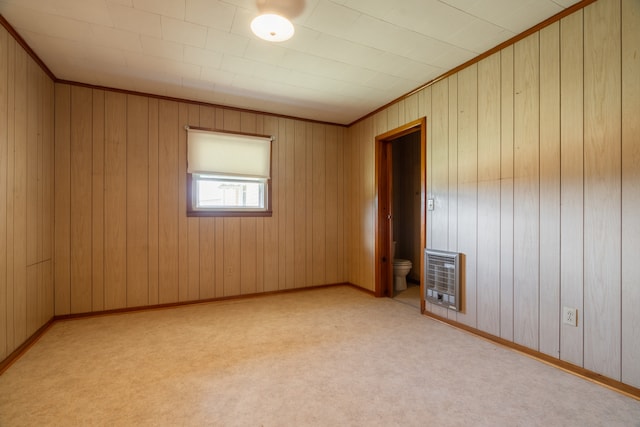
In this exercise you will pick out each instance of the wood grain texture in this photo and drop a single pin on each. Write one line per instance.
(4, 191)
(506, 193)
(62, 199)
(193, 229)
(11, 47)
(488, 252)
(468, 189)
(550, 190)
(153, 195)
(318, 207)
(26, 196)
(602, 188)
(571, 183)
(81, 183)
(183, 228)
(438, 167)
(168, 203)
(526, 192)
(20, 199)
(271, 225)
(97, 201)
(137, 199)
(630, 191)
(115, 201)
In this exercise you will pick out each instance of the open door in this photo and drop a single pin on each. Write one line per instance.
(384, 220)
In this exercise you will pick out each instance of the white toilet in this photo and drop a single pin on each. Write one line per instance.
(401, 267)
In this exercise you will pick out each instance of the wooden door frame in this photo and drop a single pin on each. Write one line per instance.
(384, 197)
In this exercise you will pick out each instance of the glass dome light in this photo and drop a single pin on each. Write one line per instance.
(272, 27)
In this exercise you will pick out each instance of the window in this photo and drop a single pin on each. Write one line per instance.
(228, 174)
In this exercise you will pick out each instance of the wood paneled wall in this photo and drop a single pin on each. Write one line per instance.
(26, 195)
(122, 235)
(533, 158)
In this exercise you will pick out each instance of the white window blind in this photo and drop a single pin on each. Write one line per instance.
(228, 154)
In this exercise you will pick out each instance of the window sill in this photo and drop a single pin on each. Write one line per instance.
(202, 213)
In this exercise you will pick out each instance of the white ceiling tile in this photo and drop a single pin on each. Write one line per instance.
(151, 64)
(263, 51)
(171, 8)
(515, 16)
(224, 42)
(162, 48)
(183, 32)
(216, 75)
(126, 18)
(212, 13)
(331, 18)
(202, 57)
(115, 38)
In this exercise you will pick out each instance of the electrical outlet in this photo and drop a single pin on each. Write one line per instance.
(570, 316)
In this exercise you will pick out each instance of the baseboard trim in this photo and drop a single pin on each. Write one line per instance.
(22, 348)
(586, 374)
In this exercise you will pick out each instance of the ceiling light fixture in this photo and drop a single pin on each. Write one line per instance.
(272, 27)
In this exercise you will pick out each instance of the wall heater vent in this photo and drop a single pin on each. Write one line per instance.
(442, 278)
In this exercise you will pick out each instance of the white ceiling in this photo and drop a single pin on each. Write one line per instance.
(347, 58)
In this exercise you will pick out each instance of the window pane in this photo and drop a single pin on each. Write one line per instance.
(223, 193)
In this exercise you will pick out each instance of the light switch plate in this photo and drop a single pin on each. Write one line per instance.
(430, 204)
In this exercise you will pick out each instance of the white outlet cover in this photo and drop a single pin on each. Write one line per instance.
(570, 316)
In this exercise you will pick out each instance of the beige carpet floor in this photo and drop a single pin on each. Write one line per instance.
(324, 357)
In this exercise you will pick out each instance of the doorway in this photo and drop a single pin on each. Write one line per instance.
(385, 214)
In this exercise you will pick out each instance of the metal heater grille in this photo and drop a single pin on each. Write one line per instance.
(442, 278)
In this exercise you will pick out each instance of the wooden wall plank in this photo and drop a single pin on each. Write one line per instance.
(232, 255)
(438, 166)
(341, 205)
(571, 183)
(331, 204)
(193, 229)
(289, 259)
(468, 188)
(526, 192)
(319, 207)
(115, 201)
(48, 203)
(168, 203)
(300, 205)
(183, 227)
(137, 198)
(602, 188)
(489, 101)
(81, 175)
(308, 209)
(207, 227)
(97, 202)
(153, 195)
(630, 191)
(32, 122)
(506, 193)
(550, 190)
(11, 47)
(20, 200)
(271, 225)
(452, 201)
(62, 200)
(4, 191)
